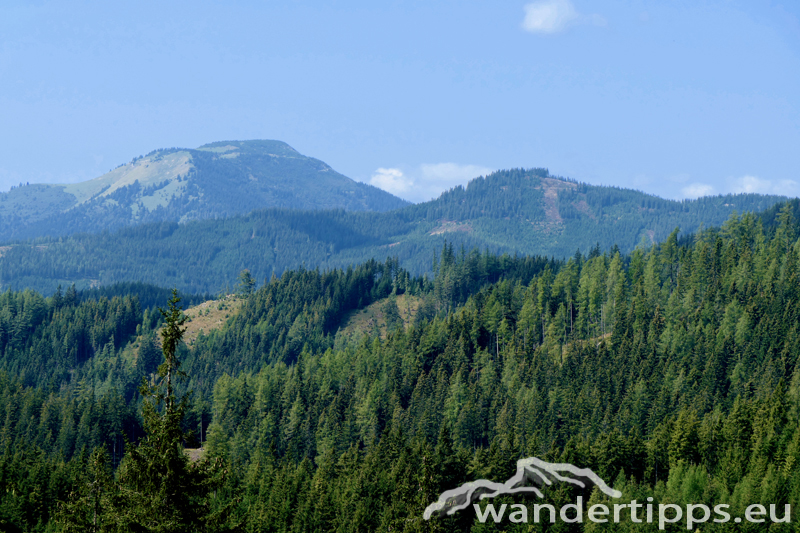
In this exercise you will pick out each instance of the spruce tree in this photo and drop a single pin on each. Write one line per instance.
(159, 489)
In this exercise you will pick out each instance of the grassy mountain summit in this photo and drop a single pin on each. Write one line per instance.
(517, 211)
(216, 180)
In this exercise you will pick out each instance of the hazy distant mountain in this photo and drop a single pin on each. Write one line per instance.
(515, 211)
(216, 180)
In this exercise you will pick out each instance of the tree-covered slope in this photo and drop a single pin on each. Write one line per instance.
(214, 181)
(533, 211)
(517, 211)
(671, 372)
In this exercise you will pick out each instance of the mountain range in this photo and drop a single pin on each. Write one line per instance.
(216, 180)
(517, 211)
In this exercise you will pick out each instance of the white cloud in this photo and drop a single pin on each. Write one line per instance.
(428, 181)
(751, 184)
(745, 184)
(553, 16)
(787, 188)
(696, 190)
(549, 16)
(392, 180)
(765, 186)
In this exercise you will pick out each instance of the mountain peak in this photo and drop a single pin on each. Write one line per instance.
(218, 179)
(265, 146)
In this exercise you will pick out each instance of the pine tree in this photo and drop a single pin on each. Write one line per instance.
(247, 283)
(159, 489)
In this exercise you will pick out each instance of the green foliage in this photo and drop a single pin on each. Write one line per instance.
(44, 339)
(157, 489)
(246, 283)
(672, 372)
(84, 510)
(149, 296)
(674, 404)
(391, 313)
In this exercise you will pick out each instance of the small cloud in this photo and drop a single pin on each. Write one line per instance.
(787, 188)
(549, 16)
(754, 184)
(428, 181)
(553, 16)
(696, 190)
(751, 184)
(436, 178)
(745, 184)
(391, 180)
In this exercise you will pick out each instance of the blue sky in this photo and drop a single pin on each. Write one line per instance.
(673, 98)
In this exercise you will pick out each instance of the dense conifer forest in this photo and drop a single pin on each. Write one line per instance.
(518, 211)
(671, 371)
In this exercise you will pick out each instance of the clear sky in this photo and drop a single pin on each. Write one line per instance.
(676, 98)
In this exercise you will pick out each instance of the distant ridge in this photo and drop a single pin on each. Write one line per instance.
(216, 180)
(518, 211)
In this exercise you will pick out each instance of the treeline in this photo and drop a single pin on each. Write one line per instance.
(149, 296)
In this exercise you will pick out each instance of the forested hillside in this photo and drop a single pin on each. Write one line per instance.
(216, 180)
(517, 212)
(671, 371)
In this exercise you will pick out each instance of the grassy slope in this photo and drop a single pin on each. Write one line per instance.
(147, 171)
(209, 315)
(370, 320)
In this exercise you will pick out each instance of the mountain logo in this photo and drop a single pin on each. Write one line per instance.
(531, 476)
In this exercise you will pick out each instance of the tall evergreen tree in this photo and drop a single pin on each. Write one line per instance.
(158, 489)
